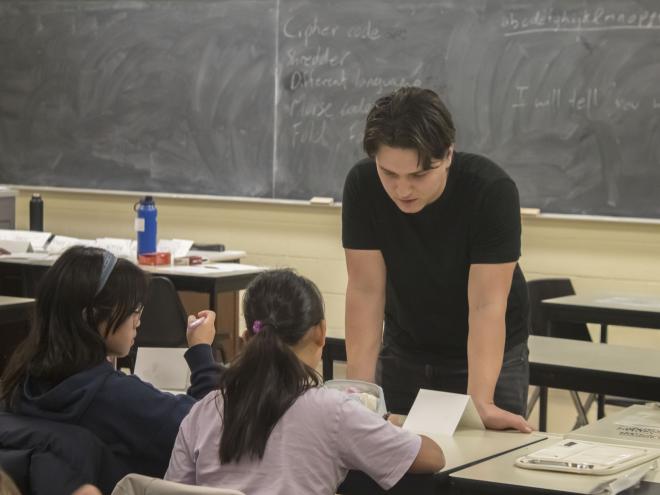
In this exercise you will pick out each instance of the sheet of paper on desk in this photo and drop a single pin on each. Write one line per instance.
(441, 413)
(178, 247)
(14, 247)
(117, 246)
(642, 419)
(61, 243)
(36, 239)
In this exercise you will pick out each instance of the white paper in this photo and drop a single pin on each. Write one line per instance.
(61, 243)
(14, 247)
(178, 247)
(642, 419)
(29, 256)
(442, 413)
(36, 239)
(117, 246)
(164, 367)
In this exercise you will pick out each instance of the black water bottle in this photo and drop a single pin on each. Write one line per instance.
(37, 213)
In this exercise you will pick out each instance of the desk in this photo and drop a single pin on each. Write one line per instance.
(225, 278)
(500, 476)
(463, 449)
(606, 309)
(593, 367)
(15, 313)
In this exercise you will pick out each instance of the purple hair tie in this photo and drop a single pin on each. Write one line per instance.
(257, 326)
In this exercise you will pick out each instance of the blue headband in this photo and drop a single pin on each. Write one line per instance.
(109, 262)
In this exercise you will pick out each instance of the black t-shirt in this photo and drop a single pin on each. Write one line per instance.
(428, 254)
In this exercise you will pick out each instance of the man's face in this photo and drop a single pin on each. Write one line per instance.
(406, 183)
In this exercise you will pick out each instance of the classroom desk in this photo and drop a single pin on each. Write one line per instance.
(196, 278)
(9, 305)
(605, 309)
(463, 449)
(594, 367)
(500, 476)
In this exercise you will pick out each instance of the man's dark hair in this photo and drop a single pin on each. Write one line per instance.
(410, 118)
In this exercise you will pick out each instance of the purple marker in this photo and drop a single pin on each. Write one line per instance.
(194, 324)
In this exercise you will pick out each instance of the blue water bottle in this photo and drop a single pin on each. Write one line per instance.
(146, 225)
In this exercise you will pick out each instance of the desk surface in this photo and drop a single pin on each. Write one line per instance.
(594, 356)
(500, 475)
(606, 308)
(466, 447)
(45, 259)
(630, 302)
(7, 302)
(635, 425)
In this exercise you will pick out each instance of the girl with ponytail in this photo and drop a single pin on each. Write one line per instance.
(271, 428)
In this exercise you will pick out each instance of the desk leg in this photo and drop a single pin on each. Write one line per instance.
(543, 408)
(213, 300)
(601, 398)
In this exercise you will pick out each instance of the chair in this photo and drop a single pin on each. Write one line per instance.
(549, 288)
(137, 484)
(52, 458)
(163, 321)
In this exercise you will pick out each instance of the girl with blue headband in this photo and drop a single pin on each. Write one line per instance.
(88, 309)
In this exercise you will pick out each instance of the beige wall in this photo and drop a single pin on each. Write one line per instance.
(615, 256)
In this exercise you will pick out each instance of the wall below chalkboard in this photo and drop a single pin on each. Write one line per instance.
(267, 98)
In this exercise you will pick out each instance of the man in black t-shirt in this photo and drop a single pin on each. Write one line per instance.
(432, 240)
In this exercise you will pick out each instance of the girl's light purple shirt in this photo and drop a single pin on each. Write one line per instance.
(322, 436)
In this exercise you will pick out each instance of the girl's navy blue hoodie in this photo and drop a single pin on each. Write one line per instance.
(138, 422)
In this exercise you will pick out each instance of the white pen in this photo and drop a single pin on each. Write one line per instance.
(194, 324)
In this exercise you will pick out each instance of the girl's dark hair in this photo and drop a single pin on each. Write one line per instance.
(64, 338)
(267, 377)
(410, 118)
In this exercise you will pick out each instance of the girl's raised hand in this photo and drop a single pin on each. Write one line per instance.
(201, 328)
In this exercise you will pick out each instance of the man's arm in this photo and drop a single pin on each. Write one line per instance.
(488, 291)
(365, 305)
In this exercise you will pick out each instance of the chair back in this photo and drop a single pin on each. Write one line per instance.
(164, 320)
(137, 484)
(547, 288)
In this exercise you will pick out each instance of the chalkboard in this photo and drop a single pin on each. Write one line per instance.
(267, 98)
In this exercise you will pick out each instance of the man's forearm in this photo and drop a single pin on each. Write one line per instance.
(364, 328)
(485, 352)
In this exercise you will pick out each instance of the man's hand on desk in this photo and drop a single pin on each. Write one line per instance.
(202, 333)
(495, 418)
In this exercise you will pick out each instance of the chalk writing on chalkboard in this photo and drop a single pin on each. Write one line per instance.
(267, 98)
